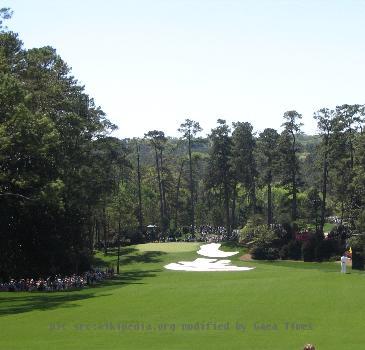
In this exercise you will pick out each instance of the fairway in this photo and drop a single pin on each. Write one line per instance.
(278, 305)
(168, 247)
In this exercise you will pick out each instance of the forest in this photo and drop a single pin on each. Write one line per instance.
(68, 186)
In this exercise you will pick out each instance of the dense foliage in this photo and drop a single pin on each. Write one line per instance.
(67, 186)
(56, 162)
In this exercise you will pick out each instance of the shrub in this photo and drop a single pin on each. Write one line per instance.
(264, 243)
(265, 253)
(292, 250)
(308, 251)
(258, 253)
(304, 235)
(284, 252)
(335, 258)
(249, 231)
(357, 244)
(264, 236)
(339, 232)
(357, 259)
(252, 232)
(272, 254)
(283, 233)
(326, 248)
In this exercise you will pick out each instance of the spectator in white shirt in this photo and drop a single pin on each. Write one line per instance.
(344, 259)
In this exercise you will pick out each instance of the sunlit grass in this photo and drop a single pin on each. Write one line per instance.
(278, 305)
(169, 247)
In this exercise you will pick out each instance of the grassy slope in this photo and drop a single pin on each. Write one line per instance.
(273, 293)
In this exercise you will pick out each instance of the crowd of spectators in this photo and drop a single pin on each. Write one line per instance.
(56, 283)
(202, 233)
(209, 229)
(216, 234)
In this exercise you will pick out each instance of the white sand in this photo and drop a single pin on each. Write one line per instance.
(212, 251)
(203, 264)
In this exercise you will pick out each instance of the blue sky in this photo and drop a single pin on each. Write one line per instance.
(152, 63)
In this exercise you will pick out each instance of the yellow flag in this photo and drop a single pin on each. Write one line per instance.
(350, 250)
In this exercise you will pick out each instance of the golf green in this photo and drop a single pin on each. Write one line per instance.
(278, 305)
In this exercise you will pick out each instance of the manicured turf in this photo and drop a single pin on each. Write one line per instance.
(280, 305)
(169, 247)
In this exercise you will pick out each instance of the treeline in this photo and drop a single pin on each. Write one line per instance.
(236, 175)
(57, 163)
(280, 188)
(67, 186)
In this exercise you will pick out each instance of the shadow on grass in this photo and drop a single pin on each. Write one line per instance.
(21, 302)
(128, 255)
(105, 261)
(126, 278)
(142, 257)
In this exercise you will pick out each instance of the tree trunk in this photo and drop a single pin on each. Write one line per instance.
(163, 189)
(294, 181)
(351, 152)
(159, 189)
(105, 231)
(140, 215)
(192, 215)
(269, 204)
(118, 261)
(234, 196)
(324, 188)
(226, 205)
(294, 201)
(90, 228)
(178, 193)
(97, 231)
(253, 197)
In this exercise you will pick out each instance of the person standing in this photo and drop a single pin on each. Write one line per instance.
(344, 259)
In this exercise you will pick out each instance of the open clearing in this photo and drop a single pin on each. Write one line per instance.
(278, 305)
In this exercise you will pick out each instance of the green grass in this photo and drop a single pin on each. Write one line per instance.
(328, 227)
(325, 307)
(168, 247)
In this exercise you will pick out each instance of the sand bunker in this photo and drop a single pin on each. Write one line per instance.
(203, 264)
(212, 251)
